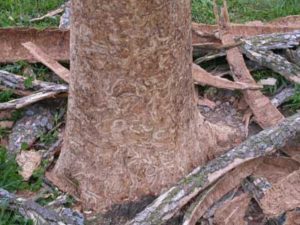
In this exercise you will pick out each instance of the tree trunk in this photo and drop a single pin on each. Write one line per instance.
(132, 126)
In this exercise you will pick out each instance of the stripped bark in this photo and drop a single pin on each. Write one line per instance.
(227, 183)
(32, 210)
(283, 196)
(56, 42)
(238, 30)
(232, 212)
(271, 168)
(38, 53)
(53, 41)
(170, 202)
(266, 114)
(200, 76)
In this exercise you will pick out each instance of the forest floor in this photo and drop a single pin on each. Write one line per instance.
(18, 13)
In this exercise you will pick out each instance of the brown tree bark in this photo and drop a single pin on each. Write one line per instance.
(132, 126)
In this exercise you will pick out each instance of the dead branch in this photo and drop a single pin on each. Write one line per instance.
(43, 90)
(274, 62)
(32, 210)
(170, 202)
(13, 81)
(283, 96)
(268, 42)
(46, 93)
(200, 76)
(61, 71)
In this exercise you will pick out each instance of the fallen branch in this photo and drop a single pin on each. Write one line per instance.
(43, 90)
(49, 92)
(274, 62)
(32, 210)
(61, 71)
(170, 202)
(17, 82)
(268, 42)
(200, 76)
(283, 96)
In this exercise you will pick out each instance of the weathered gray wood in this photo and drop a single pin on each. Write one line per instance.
(283, 96)
(273, 61)
(14, 81)
(170, 202)
(268, 42)
(49, 92)
(43, 90)
(32, 210)
(293, 55)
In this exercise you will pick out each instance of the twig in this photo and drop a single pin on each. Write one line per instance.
(36, 97)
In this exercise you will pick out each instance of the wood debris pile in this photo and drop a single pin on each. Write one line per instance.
(256, 182)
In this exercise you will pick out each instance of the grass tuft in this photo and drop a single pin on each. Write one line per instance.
(246, 10)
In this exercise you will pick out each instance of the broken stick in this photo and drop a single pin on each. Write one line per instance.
(57, 68)
(41, 215)
(170, 202)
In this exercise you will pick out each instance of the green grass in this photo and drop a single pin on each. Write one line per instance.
(20, 12)
(12, 181)
(246, 10)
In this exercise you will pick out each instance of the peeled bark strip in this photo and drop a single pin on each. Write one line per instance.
(32, 210)
(233, 212)
(274, 62)
(266, 114)
(170, 202)
(283, 196)
(53, 41)
(238, 30)
(292, 218)
(41, 56)
(227, 183)
(200, 76)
